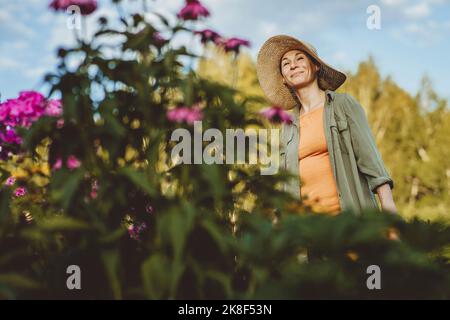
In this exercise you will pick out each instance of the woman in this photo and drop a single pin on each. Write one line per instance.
(328, 146)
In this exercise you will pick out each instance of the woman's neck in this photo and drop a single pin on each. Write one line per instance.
(311, 97)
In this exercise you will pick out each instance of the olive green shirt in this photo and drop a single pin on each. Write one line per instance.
(357, 166)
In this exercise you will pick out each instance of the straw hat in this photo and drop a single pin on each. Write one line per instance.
(269, 74)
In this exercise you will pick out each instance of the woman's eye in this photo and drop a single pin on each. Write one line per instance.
(299, 58)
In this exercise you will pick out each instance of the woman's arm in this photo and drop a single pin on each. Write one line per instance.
(388, 205)
(368, 157)
(385, 195)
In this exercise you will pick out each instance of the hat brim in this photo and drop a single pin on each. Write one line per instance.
(269, 75)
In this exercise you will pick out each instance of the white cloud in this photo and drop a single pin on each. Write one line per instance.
(424, 38)
(12, 47)
(60, 35)
(35, 73)
(306, 23)
(268, 29)
(436, 1)
(339, 57)
(419, 10)
(45, 18)
(10, 23)
(8, 63)
(393, 3)
(423, 34)
(168, 4)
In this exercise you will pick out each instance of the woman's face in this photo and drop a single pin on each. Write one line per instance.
(297, 69)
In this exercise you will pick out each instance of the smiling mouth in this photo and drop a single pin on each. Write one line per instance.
(296, 73)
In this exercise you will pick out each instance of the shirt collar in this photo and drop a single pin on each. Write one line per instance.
(330, 95)
(296, 114)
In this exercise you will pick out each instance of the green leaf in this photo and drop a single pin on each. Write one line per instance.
(217, 234)
(113, 236)
(65, 185)
(5, 196)
(58, 223)
(175, 227)
(156, 276)
(19, 281)
(139, 179)
(114, 125)
(215, 182)
(111, 262)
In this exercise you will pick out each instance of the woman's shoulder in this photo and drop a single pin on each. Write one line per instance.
(344, 98)
(348, 104)
(345, 105)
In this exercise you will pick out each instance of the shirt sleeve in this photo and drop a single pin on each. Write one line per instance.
(368, 157)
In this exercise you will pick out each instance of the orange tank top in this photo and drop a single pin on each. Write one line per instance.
(318, 187)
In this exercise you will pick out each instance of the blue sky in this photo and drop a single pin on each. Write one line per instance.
(414, 38)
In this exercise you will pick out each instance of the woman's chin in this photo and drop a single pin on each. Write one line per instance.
(299, 84)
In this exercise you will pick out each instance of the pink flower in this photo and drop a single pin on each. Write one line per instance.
(60, 123)
(208, 35)
(4, 110)
(58, 164)
(149, 208)
(276, 114)
(185, 114)
(19, 192)
(33, 97)
(93, 194)
(28, 107)
(135, 230)
(94, 189)
(10, 136)
(53, 108)
(73, 162)
(22, 112)
(31, 106)
(195, 114)
(177, 114)
(158, 39)
(193, 10)
(86, 6)
(10, 181)
(234, 44)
